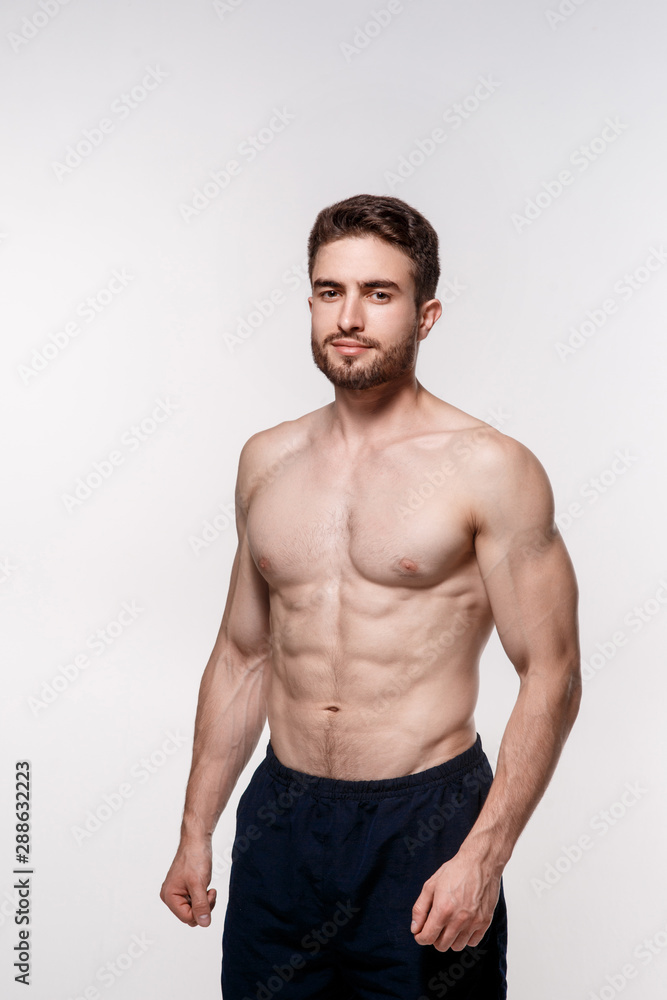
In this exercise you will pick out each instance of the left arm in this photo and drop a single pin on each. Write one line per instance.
(532, 590)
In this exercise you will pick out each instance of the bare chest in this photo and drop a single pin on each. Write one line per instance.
(399, 520)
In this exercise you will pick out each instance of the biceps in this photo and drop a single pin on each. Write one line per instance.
(532, 589)
(245, 621)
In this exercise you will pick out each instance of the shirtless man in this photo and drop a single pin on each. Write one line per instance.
(381, 538)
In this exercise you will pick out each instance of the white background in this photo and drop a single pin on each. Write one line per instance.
(360, 101)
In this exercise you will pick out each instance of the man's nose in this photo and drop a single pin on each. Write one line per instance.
(351, 316)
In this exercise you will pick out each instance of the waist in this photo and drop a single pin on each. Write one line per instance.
(347, 728)
(351, 744)
(469, 760)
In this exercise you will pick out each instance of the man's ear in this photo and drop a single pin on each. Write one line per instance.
(310, 302)
(431, 312)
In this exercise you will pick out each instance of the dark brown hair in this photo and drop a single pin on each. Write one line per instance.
(389, 219)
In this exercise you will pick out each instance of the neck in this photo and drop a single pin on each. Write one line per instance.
(360, 416)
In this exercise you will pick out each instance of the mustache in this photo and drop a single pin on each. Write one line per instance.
(352, 336)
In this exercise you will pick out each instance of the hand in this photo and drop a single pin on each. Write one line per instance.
(184, 889)
(456, 904)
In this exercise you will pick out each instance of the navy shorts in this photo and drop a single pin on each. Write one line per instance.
(324, 876)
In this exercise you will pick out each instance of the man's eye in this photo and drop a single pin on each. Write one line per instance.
(382, 293)
(330, 291)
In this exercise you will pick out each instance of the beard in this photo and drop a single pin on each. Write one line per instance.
(350, 372)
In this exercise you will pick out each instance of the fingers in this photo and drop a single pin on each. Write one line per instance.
(477, 936)
(456, 934)
(436, 930)
(445, 927)
(184, 890)
(201, 911)
(201, 908)
(201, 904)
(421, 909)
(178, 901)
(451, 939)
(192, 904)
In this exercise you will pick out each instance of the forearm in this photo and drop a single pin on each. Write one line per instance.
(536, 731)
(231, 713)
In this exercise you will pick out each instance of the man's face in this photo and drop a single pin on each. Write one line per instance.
(363, 295)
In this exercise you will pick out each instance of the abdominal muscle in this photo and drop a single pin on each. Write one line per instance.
(371, 683)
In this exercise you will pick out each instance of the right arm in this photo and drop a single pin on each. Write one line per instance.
(231, 713)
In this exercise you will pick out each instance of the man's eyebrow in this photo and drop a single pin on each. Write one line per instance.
(372, 283)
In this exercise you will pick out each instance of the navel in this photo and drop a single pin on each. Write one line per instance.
(332, 708)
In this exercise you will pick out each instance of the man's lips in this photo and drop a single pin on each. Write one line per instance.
(349, 346)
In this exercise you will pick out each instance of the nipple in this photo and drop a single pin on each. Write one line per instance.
(408, 564)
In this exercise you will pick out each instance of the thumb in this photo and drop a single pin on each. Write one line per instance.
(201, 909)
(420, 910)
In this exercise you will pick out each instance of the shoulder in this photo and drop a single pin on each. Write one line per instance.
(289, 435)
(496, 454)
(467, 437)
(509, 484)
(482, 447)
(267, 451)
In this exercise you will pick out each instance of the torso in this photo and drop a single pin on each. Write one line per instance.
(378, 611)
